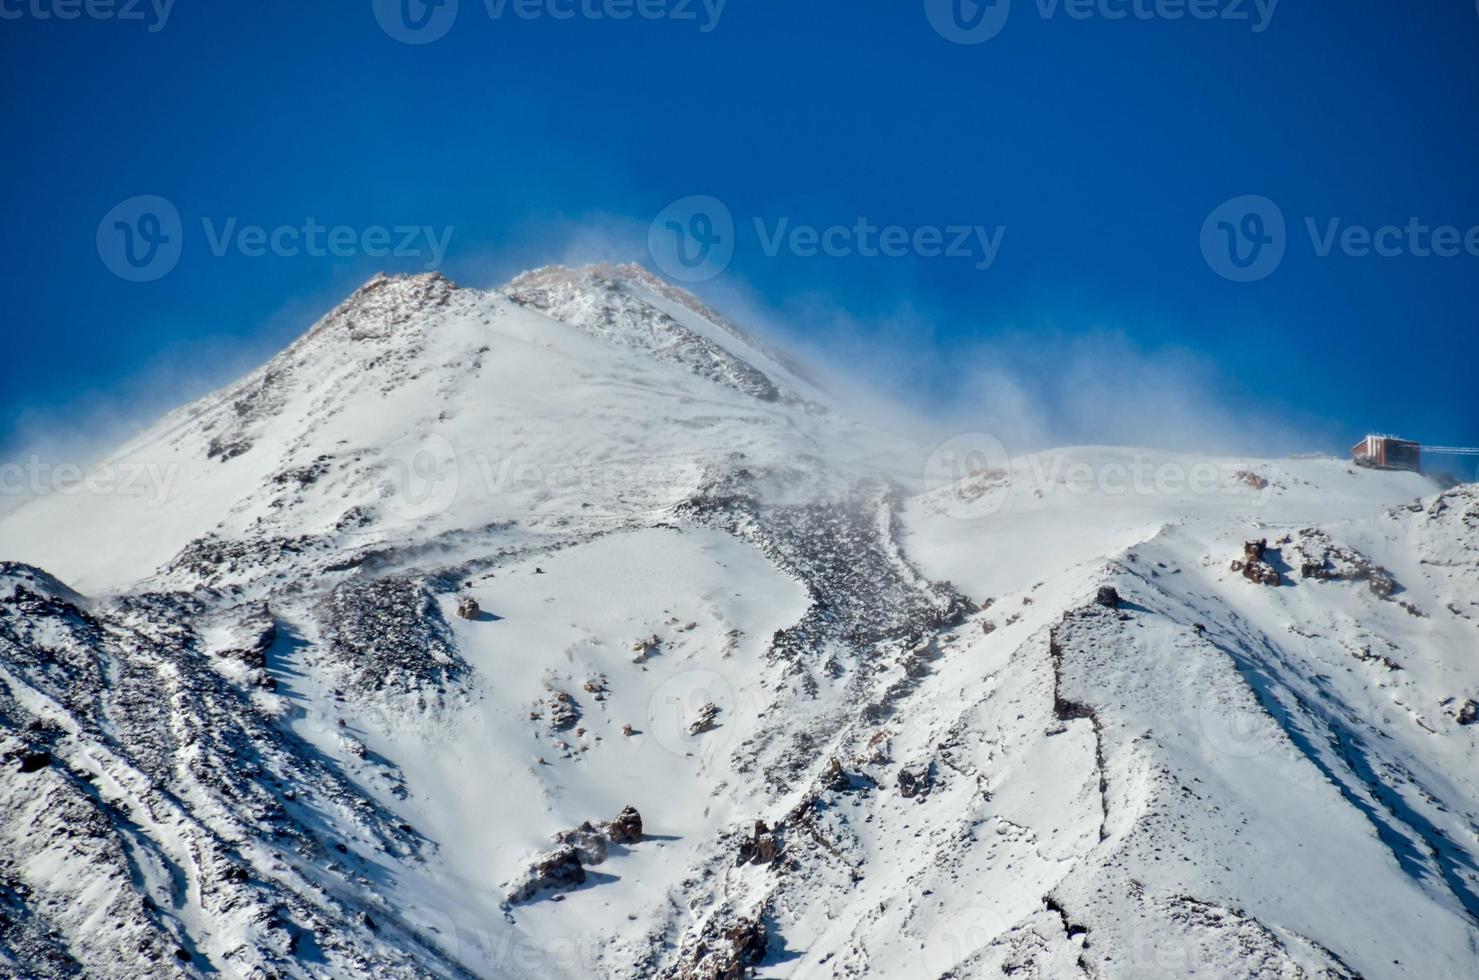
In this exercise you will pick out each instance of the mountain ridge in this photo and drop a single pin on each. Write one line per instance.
(442, 590)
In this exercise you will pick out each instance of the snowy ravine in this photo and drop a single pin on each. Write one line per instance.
(566, 630)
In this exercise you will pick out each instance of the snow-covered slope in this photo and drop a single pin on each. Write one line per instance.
(440, 592)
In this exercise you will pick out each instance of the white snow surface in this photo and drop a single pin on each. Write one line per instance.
(966, 765)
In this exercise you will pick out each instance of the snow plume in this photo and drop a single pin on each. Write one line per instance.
(1033, 389)
(82, 432)
(911, 370)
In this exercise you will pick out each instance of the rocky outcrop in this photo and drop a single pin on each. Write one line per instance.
(1321, 559)
(763, 846)
(563, 867)
(609, 307)
(646, 648)
(724, 951)
(706, 721)
(563, 711)
(1255, 565)
(123, 740)
(387, 636)
(556, 870)
(626, 828)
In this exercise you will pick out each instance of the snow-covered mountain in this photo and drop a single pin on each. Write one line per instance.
(568, 630)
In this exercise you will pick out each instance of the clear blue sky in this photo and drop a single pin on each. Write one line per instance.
(1101, 145)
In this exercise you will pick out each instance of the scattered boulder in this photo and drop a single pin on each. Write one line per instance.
(705, 722)
(1254, 564)
(915, 783)
(589, 843)
(645, 648)
(762, 847)
(563, 867)
(835, 777)
(559, 869)
(467, 608)
(1469, 713)
(1108, 596)
(627, 827)
(628, 730)
(563, 712)
(726, 952)
(1323, 560)
(36, 761)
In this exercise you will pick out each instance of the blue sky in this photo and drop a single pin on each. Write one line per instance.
(1098, 146)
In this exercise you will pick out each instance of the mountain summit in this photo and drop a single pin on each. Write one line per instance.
(568, 629)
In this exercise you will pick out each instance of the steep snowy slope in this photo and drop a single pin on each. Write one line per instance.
(567, 630)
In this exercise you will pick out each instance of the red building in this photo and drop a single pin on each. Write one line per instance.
(1388, 452)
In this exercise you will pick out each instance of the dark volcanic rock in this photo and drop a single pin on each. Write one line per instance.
(1254, 564)
(1323, 560)
(559, 869)
(705, 722)
(35, 761)
(627, 827)
(762, 847)
(389, 635)
(724, 952)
